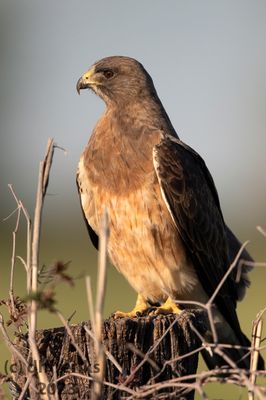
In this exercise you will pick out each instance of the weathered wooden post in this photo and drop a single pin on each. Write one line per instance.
(144, 360)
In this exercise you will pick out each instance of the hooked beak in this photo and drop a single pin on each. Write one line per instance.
(86, 81)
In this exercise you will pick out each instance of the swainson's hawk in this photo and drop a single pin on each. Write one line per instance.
(167, 232)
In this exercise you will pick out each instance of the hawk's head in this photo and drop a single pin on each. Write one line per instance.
(117, 79)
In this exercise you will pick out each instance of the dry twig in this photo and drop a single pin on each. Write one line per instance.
(44, 171)
(256, 339)
(100, 295)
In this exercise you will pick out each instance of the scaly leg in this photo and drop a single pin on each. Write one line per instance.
(141, 306)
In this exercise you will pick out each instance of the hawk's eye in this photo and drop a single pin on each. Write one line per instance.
(108, 73)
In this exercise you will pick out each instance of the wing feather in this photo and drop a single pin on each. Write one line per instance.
(192, 200)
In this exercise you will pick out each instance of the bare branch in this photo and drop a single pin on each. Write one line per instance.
(107, 353)
(101, 284)
(44, 171)
(9, 343)
(65, 323)
(256, 339)
(25, 388)
(228, 272)
(261, 230)
(13, 257)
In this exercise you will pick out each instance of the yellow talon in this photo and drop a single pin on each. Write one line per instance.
(169, 307)
(141, 306)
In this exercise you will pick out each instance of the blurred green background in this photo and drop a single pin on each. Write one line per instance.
(208, 62)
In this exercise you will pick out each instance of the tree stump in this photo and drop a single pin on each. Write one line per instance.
(160, 338)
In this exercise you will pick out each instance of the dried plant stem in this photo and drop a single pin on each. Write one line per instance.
(90, 301)
(9, 343)
(13, 257)
(101, 284)
(20, 207)
(92, 331)
(256, 339)
(208, 306)
(228, 272)
(44, 171)
(66, 325)
(29, 245)
(107, 353)
(89, 378)
(212, 298)
(150, 351)
(24, 390)
(261, 230)
(91, 312)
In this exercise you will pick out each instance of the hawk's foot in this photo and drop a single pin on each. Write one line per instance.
(141, 306)
(169, 307)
